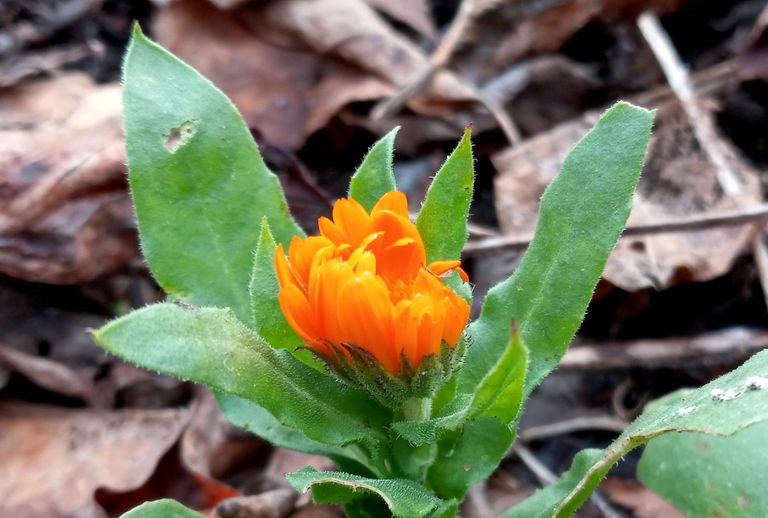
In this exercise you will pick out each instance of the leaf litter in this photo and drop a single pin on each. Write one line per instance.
(303, 74)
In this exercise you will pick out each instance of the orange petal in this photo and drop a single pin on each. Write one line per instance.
(352, 219)
(302, 252)
(285, 276)
(330, 231)
(366, 318)
(440, 268)
(298, 313)
(393, 201)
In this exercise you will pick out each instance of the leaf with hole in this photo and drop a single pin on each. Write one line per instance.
(198, 182)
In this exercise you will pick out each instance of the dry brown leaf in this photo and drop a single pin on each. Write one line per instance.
(414, 13)
(284, 91)
(47, 374)
(285, 461)
(677, 181)
(65, 216)
(754, 60)
(290, 66)
(276, 503)
(643, 502)
(318, 511)
(501, 33)
(211, 447)
(54, 460)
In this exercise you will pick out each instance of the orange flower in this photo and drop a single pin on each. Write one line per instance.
(363, 281)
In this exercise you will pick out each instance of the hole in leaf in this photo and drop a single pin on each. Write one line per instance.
(179, 136)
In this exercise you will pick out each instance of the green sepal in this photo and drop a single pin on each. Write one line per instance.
(359, 368)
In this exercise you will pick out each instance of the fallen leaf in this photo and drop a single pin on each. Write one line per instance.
(47, 374)
(502, 33)
(414, 13)
(677, 181)
(754, 59)
(276, 503)
(285, 92)
(58, 458)
(211, 448)
(291, 66)
(318, 511)
(65, 215)
(640, 500)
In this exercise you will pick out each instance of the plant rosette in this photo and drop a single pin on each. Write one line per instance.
(355, 343)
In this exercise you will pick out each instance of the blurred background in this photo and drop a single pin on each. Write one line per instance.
(682, 299)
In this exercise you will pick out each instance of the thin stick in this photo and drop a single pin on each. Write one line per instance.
(704, 221)
(728, 345)
(701, 121)
(438, 60)
(577, 424)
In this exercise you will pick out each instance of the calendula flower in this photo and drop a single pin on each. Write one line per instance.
(364, 282)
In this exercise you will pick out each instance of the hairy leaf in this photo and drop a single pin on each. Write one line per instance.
(210, 346)
(267, 316)
(723, 407)
(471, 458)
(165, 508)
(199, 184)
(582, 215)
(374, 177)
(442, 221)
(709, 475)
(404, 498)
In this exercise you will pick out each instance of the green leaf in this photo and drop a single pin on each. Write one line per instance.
(375, 177)
(210, 346)
(707, 475)
(472, 458)
(162, 509)
(500, 392)
(582, 215)
(250, 416)
(404, 498)
(268, 318)
(199, 184)
(698, 411)
(442, 221)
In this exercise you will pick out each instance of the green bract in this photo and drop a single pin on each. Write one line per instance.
(210, 218)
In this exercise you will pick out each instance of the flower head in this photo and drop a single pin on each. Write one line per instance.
(364, 282)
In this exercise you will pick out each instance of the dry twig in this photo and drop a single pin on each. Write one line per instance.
(757, 213)
(730, 345)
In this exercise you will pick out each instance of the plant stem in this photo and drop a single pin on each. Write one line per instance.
(417, 409)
